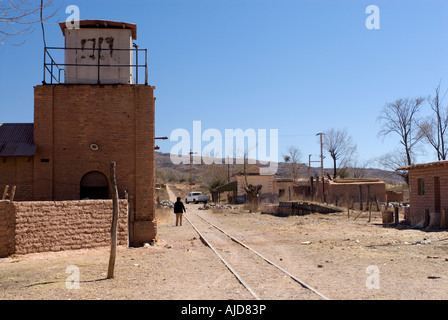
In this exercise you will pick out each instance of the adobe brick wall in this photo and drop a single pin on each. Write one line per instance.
(7, 224)
(29, 227)
(120, 120)
(393, 196)
(17, 171)
(418, 203)
(340, 191)
(266, 181)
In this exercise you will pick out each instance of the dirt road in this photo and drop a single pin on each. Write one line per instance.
(340, 257)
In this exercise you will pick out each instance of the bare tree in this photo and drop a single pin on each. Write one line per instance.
(214, 175)
(359, 170)
(434, 129)
(394, 160)
(17, 17)
(400, 117)
(340, 146)
(294, 158)
(251, 190)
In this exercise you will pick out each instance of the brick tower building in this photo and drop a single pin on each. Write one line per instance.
(97, 114)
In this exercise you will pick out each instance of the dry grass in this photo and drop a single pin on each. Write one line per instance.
(251, 207)
(164, 215)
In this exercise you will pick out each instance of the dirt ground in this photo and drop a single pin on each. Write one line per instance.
(344, 259)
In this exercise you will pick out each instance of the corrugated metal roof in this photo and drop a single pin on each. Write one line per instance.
(17, 140)
(423, 165)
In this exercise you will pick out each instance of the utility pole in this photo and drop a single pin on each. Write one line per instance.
(228, 170)
(309, 165)
(321, 154)
(191, 168)
(322, 164)
(309, 177)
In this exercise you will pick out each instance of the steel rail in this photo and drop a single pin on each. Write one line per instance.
(302, 283)
(222, 259)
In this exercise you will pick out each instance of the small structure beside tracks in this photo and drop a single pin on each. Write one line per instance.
(293, 208)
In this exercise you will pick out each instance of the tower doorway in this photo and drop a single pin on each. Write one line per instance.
(94, 185)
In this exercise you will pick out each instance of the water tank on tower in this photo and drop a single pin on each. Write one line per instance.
(99, 52)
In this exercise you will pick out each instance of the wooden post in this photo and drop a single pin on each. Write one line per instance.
(426, 217)
(348, 210)
(369, 202)
(360, 197)
(5, 193)
(126, 195)
(312, 188)
(113, 231)
(323, 188)
(13, 193)
(443, 216)
(396, 215)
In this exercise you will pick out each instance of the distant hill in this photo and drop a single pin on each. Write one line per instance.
(166, 170)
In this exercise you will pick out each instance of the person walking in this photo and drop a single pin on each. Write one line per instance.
(179, 209)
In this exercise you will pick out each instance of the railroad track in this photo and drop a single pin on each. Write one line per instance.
(260, 276)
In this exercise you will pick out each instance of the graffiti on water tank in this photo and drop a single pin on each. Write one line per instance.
(91, 44)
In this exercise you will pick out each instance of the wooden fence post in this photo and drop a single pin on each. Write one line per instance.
(360, 197)
(426, 217)
(5, 192)
(13, 193)
(443, 216)
(113, 231)
(348, 210)
(396, 215)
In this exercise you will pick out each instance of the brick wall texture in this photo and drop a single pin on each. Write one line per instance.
(340, 192)
(42, 226)
(429, 200)
(68, 119)
(18, 171)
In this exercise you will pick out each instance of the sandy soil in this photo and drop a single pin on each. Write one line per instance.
(341, 258)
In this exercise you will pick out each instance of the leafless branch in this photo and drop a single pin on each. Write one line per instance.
(340, 146)
(294, 158)
(434, 128)
(17, 17)
(400, 117)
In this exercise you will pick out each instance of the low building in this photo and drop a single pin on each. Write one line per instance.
(339, 191)
(253, 176)
(428, 189)
(284, 188)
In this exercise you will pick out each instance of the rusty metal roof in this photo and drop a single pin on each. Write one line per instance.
(424, 165)
(103, 24)
(17, 140)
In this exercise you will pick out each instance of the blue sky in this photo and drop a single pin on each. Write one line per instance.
(299, 66)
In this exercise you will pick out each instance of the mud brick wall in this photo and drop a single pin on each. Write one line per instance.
(428, 200)
(340, 192)
(120, 119)
(18, 171)
(394, 196)
(44, 226)
(351, 190)
(7, 223)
